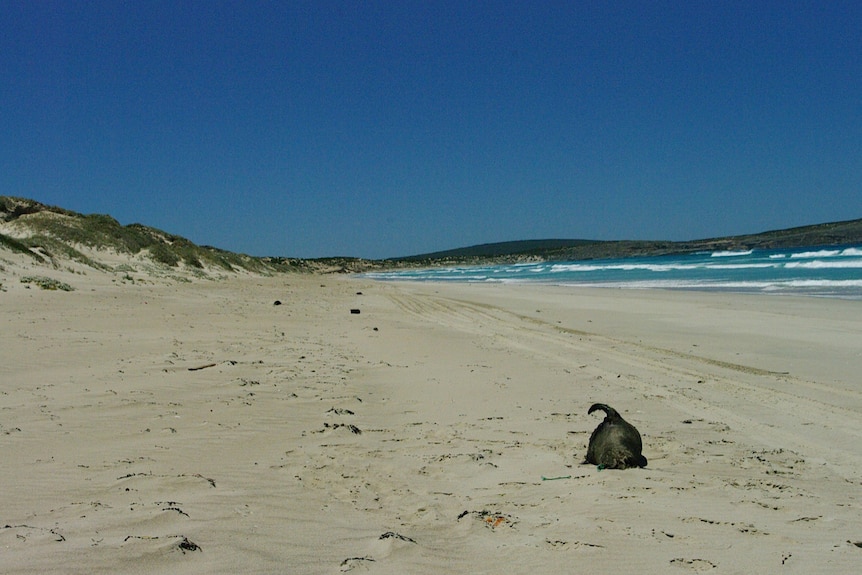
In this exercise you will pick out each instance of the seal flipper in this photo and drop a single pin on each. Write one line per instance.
(610, 412)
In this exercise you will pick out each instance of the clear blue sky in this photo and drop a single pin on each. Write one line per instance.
(379, 129)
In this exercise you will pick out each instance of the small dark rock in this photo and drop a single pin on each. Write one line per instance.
(276, 302)
(354, 311)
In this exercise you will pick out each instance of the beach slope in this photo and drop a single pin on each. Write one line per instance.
(197, 427)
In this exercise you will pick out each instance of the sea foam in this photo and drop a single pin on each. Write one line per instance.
(731, 253)
(832, 272)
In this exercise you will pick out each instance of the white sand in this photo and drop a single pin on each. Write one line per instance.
(114, 452)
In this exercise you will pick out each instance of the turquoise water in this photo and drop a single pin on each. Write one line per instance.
(823, 272)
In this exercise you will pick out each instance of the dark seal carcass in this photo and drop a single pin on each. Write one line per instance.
(615, 443)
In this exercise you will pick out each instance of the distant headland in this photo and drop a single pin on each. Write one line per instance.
(50, 234)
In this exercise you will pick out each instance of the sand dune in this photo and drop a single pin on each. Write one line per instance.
(440, 430)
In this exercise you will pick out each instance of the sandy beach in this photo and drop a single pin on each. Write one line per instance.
(154, 426)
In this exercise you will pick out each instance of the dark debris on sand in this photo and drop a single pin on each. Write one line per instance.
(393, 535)
(349, 426)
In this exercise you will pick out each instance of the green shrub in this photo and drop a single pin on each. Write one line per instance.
(47, 283)
(164, 255)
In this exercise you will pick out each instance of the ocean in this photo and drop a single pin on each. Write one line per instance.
(834, 272)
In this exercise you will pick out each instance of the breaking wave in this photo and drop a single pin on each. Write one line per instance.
(832, 272)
